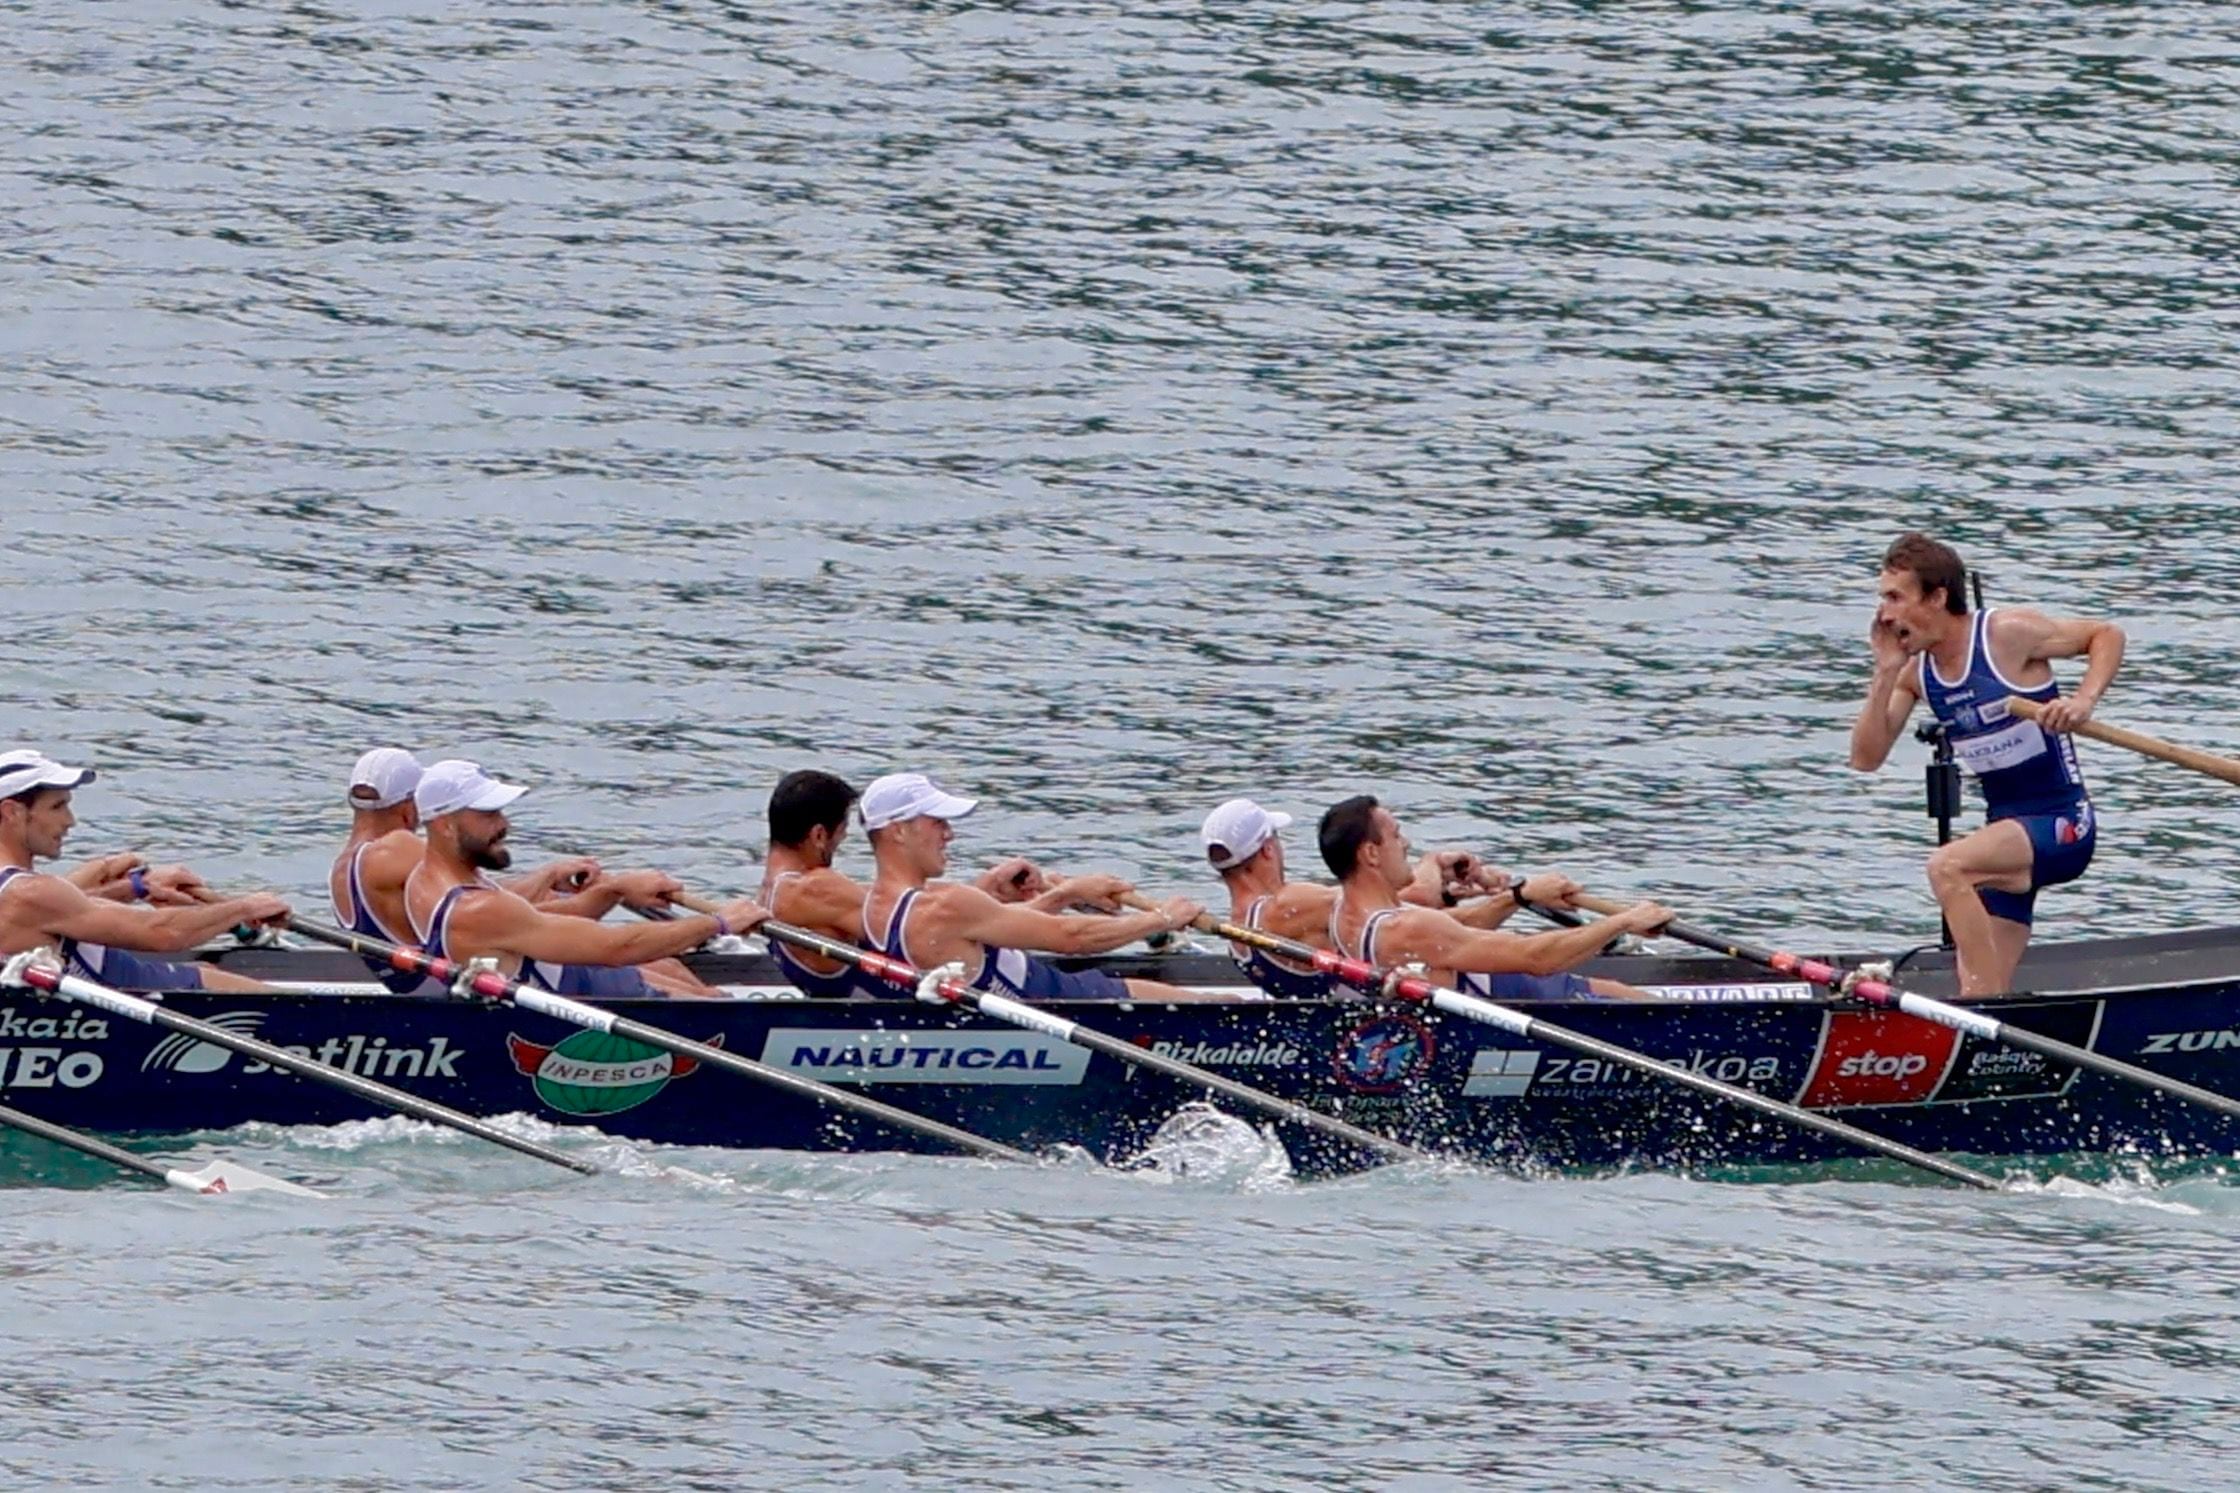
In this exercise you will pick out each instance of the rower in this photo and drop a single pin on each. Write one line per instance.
(808, 821)
(457, 912)
(97, 937)
(2040, 828)
(366, 881)
(907, 915)
(1243, 843)
(1364, 848)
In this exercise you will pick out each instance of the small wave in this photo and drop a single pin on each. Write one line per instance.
(1201, 1144)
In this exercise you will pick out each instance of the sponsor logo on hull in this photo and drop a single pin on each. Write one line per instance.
(1872, 1058)
(597, 1073)
(1878, 1057)
(2209, 1041)
(1513, 1073)
(1717, 993)
(1242, 1053)
(48, 1068)
(941, 1057)
(44, 1026)
(366, 1056)
(1384, 1054)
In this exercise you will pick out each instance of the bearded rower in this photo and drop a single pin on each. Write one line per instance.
(1364, 848)
(1243, 844)
(366, 882)
(458, 913)
(97, 937)
(908, 915)
(2040, 828)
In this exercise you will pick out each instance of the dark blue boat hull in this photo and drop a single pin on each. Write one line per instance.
(1446, 1085)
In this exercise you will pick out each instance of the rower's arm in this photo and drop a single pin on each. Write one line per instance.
(1882, 720)
(971, 913)
(62, 910)
(2042, 639)
(506, 922)
(1442, 943)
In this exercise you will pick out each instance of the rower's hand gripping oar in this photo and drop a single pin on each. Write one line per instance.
(1960, 1018)
(1401, 984)
(947, 985)
(40, 971)
(210, 1179)
(473, 981)
(2225, 769)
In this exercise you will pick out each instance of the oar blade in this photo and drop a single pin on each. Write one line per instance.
(227, 1177)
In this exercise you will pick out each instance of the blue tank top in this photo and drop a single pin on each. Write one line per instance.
(845, 983)
(560, 979)
(1001, 972)
(361, 920)
(1469, 982)
(2024, 770)
(1278, 980)
(119, 968)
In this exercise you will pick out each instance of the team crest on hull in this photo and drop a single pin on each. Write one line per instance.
(597, 1073)
(1385, 1054)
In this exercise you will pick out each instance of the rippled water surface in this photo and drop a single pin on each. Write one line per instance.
(1500, 408)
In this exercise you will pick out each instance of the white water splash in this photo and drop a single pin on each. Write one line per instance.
(1200, 1144)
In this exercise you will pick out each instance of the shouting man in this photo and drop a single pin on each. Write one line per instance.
(2040, 828)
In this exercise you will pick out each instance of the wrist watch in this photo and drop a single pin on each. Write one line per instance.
(1516, 889)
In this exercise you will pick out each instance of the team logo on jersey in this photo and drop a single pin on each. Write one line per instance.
(1384, 1054)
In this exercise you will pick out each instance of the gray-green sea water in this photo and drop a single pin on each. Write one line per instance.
(1498, 408)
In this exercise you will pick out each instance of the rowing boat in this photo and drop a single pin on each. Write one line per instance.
(2170, 1003)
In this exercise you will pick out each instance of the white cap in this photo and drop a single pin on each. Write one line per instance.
(384, 778)
(908, 795)
(1240, 827)
(22, 771)
(447, 787)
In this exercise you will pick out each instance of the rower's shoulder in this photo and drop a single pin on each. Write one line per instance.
(822, 889)
(400, 848)
(1302, 899)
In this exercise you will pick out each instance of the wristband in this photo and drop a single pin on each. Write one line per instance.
(723, 925)
(1516, 889)
(137, 879)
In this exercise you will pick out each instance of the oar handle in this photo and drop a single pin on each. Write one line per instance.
(1206, 922)
(2224, 769)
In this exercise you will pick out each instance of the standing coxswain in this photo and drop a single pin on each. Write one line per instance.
(2040, 827)
(457, 912)
(99, 937)
(1362, 844)
(910, 916)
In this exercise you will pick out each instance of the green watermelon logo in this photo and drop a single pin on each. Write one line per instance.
(596, 1073)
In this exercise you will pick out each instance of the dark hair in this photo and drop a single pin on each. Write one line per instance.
(1934, 565)
(808, 800)
(1346, 826)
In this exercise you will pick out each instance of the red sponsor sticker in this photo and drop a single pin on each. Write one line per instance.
(1878, 1057)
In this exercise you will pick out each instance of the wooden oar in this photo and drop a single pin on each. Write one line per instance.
(941, 985)
(212, 1178)
(491, 985)
(41, 972)
(2225, 769)
(1404, 986)
(1960, 1018)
